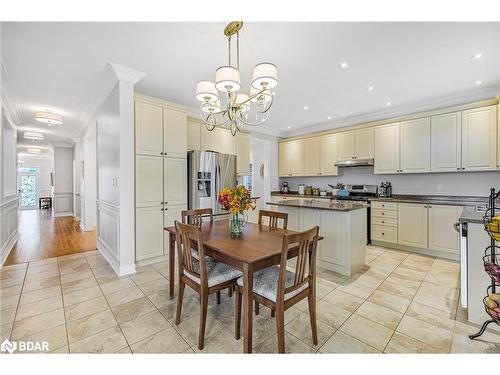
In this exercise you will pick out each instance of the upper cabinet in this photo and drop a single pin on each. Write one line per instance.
(227, 141)
(174, 132)
(312, 156)
(346, 149)
(193, 135)
(479, 128)
(415, 146)
(148, 129)
(175, 181)
(446, 142)
(210, 140)
(328, 155)
(356, 144)
(387, 149)
(242, 141)
(291, 158)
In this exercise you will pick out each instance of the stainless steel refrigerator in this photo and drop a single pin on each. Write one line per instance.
(208, 173)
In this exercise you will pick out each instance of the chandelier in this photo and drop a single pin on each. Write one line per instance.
(222, 105)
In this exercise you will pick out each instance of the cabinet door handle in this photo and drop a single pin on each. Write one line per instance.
(383, 221)
(383, 234)
(383, 213)
(458, 169)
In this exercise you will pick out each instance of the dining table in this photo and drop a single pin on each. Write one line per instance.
(256, 248)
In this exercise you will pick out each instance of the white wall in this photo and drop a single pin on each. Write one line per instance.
(465, 183)
(63, 181)
(88, 185)
(45, 166)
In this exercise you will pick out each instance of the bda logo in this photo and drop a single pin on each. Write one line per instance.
(8, 346)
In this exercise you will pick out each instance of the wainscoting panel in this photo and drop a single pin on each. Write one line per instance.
(8, 226)
(63, 204)
(108, 231)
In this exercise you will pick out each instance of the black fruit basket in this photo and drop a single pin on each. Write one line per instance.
(492, 263)
(492, 306)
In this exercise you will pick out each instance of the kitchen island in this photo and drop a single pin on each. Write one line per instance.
(342, 224)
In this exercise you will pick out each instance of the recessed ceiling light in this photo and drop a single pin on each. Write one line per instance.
(33, 136)
(329, 117)
(388, 104)
(288, 127)
(478, 82)
(344, 64)
(306, 107)
(49, 118)
(477, 56)
(370, 88)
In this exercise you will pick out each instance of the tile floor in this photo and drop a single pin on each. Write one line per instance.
(401, 303)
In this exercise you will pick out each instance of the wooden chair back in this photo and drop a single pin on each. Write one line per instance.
(307, 243)
(195, 217)
(274, 216)
(184, 234)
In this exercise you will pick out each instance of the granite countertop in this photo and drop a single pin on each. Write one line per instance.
(320, 204)
(471, 215)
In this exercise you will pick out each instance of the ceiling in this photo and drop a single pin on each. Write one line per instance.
(57, 66)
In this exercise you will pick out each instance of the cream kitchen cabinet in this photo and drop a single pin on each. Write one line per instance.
(149, 232)
(242, 142)
(312, 153)
(415, 146)
(446, 142)
(227, 143)
(387, 149)
(175, 181)
(193, 135)
(330, 248)
(149, 180)
(479, 134)
(148, 129)
(412, 225)
(293, 217)
(442, 234)
(170, 215)
(210, 140)
(174, 132)
(290, 157)
(328, 155)
(356, 144)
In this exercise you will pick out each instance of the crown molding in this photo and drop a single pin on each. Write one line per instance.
(399, 111)
(10, 101)
(124, 73)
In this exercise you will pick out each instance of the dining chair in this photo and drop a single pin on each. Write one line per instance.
(197, 216)
(204, 275)
(280, 289)
(273, 216)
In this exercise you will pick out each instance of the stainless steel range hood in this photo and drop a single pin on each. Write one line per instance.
(354, 163)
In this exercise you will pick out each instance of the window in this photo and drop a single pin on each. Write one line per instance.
(28, 170)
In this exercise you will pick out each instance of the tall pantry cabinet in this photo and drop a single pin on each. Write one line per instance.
(161, 173)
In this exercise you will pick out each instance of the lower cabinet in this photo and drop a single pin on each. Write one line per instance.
(149, 232)
(293, 217)
(442, 234)
(330, 248)
(412, 225)
(170, 215)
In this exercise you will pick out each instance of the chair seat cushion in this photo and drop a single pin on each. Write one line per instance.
(265, 283)
(217, 272)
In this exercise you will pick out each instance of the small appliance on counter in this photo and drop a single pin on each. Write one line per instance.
(385, 190)
(336, 188)
(284, 187)
(302, 189)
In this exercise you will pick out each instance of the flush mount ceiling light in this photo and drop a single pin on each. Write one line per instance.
(344, 64)
(33, 136)
(477, 56)
(478, 82)
(49, 118)
(33, 150)
(222, 105)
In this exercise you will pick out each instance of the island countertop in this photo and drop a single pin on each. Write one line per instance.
(320, 204)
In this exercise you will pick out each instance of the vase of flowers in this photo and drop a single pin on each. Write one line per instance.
(236, 201)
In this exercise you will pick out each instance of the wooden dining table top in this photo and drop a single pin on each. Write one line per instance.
(254, 244)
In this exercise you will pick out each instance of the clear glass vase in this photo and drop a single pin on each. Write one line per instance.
(236, 224)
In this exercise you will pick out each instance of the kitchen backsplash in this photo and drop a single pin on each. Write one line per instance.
(471, 183)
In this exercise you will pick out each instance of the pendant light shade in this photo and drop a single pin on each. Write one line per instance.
(227, 79)
(265, 75)
(49, 118)
(206, 91)
(266, 95)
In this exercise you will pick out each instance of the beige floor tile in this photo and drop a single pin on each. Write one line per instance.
(380, 314)
(344, 300)
(7, 315)
(331, 314)
(125, 350)
(190, 308)
(406, 345)
(223, 342)
(70, 277)
(160, 299)
(446, 277)
(418, 262)
(5, 330)
(166, 341)
(189, 328)
(39, 307)
(9, 302)
(145, 276)
(374, 250)
(437, 337)
(81, 295)
(11, 290)
(116, 285)
(370, 258)
(400, 287)
(20, 266)
(438, 296)
(107, 341)
(38, 295)
(133, 309)
(49, 267)
(77, 285)
(42, 275)
(63, 350)
(41, 284)
(86, 308)
(73, 267)
(322, 289)
(11, 281)
(389, 300)
(431, 315)
(300, 327)
(144, 326)
(157, 285)
(444, 264)
(12, 274)
(342, 343)
(409, 273)
(332, 277)
(90, 325)
(292, 345)
(124, 296)
(371, 333)
(56, 337)
(489, 342)
(32, 325)
(356, 289)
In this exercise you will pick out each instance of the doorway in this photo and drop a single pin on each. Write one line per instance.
(29, 189)
(260, 154)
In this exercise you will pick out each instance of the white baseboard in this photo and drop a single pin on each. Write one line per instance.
(61, 214)
(8, 248)
(119, 270)
(430, 252)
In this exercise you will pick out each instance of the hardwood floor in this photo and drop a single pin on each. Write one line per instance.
(43, 236)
